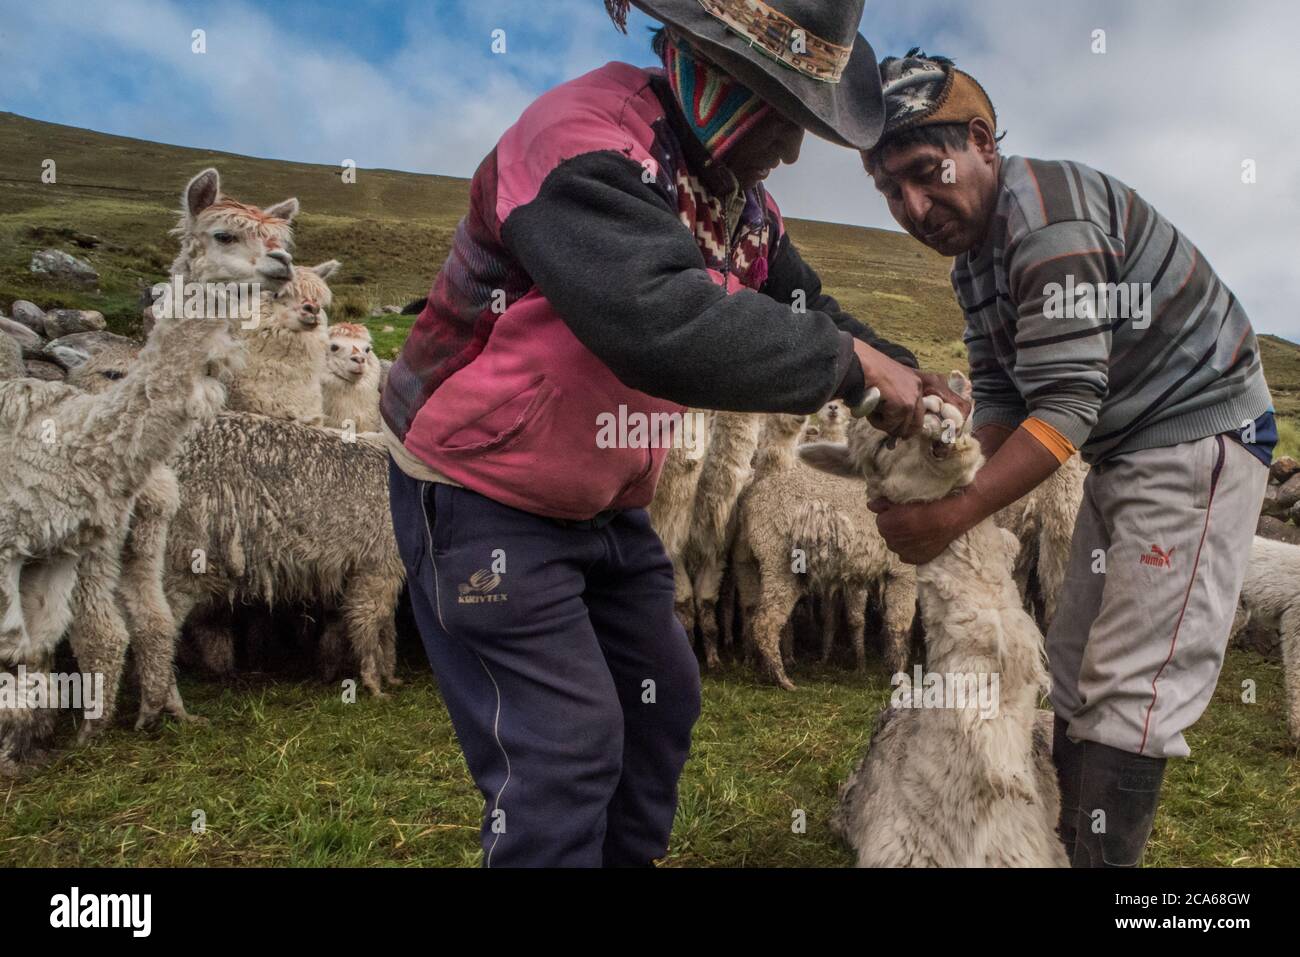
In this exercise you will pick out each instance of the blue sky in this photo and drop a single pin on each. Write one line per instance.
(1186, 91)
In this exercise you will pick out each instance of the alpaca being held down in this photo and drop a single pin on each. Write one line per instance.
(963, 785)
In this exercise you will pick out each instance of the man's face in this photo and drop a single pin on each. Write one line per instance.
(943, 197)
(771, 141)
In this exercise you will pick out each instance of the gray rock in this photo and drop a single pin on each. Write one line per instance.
(30, 315)
(58, 265)
(1277, 530)
(44, 370)
(20, 332)
(1283, 469)
(92, 341)
(1271, 506)
(1288, 493)
(64, 322)
(392, 311)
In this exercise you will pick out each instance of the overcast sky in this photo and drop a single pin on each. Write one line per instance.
(1185, 92)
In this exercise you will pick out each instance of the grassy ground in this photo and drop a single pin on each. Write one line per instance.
(288, 774)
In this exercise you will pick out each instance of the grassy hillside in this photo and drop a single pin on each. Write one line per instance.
(288, 774)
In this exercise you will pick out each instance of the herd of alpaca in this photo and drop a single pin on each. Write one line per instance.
(198, 471)
(234, 463)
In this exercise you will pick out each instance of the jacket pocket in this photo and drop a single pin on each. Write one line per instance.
(499, 427)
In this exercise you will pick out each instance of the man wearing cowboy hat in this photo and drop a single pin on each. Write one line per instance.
(1093, 325)
(621, 257)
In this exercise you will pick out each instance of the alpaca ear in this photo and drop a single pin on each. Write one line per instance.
(959, 384)
(286, 210)
(831, 457)
(327, 269)
(202, 191)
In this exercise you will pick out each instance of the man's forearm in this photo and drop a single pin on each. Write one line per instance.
(1018, 465)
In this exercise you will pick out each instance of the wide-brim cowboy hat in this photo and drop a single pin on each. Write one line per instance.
(824, 78)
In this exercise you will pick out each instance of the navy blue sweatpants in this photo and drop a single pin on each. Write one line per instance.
(570, 682)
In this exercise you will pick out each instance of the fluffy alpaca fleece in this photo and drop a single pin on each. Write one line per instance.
(726, 472)
(1043, 521)
(285, 350)
(140, 590)
(350, 383)
(71, 464)
(274, 511)
(1270, 599)
(966, 785)
(673, 507)
(825, 517)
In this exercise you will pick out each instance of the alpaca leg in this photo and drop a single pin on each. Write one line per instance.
(98, 635)
(745, 574)
(683, 599)
(153, 626)
(211, 628)
(367, 604)
(1289, 626)
(388, 642)
(855, 607)
(47, 595)
(775, 604)
(900, 614)
(331, 656)
(830, 623)
(727, 607)
(13, 630)
(707, 583)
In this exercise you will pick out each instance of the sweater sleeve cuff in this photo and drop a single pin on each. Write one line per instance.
(1049, 438)
(853, 385)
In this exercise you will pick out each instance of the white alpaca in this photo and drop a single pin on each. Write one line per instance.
(957, 782)
(801, 532)
(71, 464)
(349, 385)
(285, 350)
(673, 507)
(725, 473)
(1270, 599)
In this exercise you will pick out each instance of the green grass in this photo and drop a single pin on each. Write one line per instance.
(288, 774)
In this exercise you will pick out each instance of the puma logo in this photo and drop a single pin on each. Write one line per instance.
(1158, 557)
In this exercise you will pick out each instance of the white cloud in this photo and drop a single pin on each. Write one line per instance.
(1186, 91)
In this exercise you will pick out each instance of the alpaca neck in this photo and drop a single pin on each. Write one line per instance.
(140, 423)
(971, 580)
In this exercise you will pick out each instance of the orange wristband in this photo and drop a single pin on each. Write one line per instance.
(1049, 438)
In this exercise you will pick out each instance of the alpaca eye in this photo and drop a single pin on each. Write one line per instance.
(224, 239)
(113, 374)
(334, 348)
(369, 350)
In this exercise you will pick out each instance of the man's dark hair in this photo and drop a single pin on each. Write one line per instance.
(944, 136)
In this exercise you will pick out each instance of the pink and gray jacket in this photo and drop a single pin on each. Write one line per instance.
(607, 262)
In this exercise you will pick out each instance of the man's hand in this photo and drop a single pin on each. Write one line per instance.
(919, 532)
(932, 383)
(900, 411)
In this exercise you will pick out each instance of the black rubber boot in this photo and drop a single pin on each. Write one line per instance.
(1067, 755)
(1118, 795)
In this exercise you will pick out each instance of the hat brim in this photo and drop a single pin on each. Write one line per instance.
(849, 113)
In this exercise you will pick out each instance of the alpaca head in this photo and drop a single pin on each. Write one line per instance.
(223, 240)
(351, 352)
(834, 414)
(300, 306)
(942, 457)
(100, 368)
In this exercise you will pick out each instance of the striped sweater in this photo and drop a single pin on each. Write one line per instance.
(1087, 310)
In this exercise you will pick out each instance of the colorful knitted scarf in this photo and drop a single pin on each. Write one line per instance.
(719, 109)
